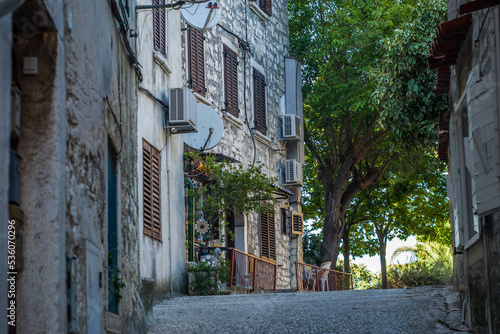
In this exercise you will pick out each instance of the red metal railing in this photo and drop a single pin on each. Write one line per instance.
(249, 271)
(313, 278)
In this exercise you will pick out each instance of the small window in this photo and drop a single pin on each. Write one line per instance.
(266, 6)
(283, 221)
(267, 235)
(159, 29)
(230, 81)
(297, 223)
(151, 191)
(196, 58)
(259, 99)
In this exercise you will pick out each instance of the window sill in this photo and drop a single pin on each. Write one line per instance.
(260, 13)
(202, 99)
(163, 62)
(262, 138)
(232, 119)
(472, 241)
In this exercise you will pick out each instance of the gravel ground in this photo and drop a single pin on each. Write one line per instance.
(399, 311)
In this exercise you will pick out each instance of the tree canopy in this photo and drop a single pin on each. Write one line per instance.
(359, 59)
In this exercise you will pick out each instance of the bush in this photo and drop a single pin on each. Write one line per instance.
(205, 278)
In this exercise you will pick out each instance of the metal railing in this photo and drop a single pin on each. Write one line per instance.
(250, 272)
(313, 278)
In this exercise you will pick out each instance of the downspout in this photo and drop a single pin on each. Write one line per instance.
(169, 223)
(190, 221)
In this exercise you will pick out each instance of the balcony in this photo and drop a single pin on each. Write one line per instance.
(251, 272)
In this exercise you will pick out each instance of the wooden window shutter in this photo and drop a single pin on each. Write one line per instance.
(230, 81)
(297, 223)
(259, 98)
(266, 6)
(151, 191)
(196, 58)
(268, 235)
(159, 28)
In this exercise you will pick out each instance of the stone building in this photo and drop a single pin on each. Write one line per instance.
(240, 69)
(467, 55)
(68, 104)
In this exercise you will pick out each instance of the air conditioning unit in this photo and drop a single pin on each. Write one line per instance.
(292, 127)
(297, 223)
(182, 110)
(293, 172)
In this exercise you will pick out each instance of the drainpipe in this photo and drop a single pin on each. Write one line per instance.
(169, 222)
(190, 221)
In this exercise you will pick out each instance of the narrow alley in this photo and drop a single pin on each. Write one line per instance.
(419, 310)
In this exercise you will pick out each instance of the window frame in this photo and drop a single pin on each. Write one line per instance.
(151, 170)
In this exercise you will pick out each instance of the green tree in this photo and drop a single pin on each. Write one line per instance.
(341, 44)
(228, 188)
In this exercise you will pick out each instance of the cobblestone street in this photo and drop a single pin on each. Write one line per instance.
(418, 310)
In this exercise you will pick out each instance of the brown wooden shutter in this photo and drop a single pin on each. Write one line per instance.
(259, 96)
(151, 191)
(297, 223)
(267, 7)
(231, 81)
(196, 56)
(268, 235)
(159, 28)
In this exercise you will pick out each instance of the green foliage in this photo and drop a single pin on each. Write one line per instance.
(114, 273)
(363, 278)
(432, 264)
(403, 80)
(207, 277)
(311, 246)
(229, 187)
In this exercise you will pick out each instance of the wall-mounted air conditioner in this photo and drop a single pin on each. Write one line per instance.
(293, 172)
(182, 110)
(292, 127)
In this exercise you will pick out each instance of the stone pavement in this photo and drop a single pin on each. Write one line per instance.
(426, 310)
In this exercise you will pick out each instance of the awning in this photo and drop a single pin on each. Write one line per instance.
(477, 5)
(445, 48)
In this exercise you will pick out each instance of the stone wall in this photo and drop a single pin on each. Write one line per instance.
(268, 39)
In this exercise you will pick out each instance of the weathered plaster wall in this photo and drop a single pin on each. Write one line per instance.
(101, 109)
(163, 261)
(5, 83)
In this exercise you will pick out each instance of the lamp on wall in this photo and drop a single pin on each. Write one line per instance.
(7, 6)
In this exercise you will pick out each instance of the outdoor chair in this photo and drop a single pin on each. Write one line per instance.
(323, 275)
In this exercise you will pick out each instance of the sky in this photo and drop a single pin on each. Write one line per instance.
(373, 262)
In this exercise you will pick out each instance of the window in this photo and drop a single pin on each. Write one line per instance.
(230, 81)
(283, 221)
(259, 101)
(297, 223)
(159, 29)
(112, 226)
(151, 191)
(196, 61)
(266, 6)
(267, 235)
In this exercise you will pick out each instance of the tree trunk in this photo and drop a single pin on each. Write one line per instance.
(345, 244)
(332, 232)
(383, 264)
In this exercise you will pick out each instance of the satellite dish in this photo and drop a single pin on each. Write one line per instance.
(202, 16)
(7, 6)
(209, 128)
